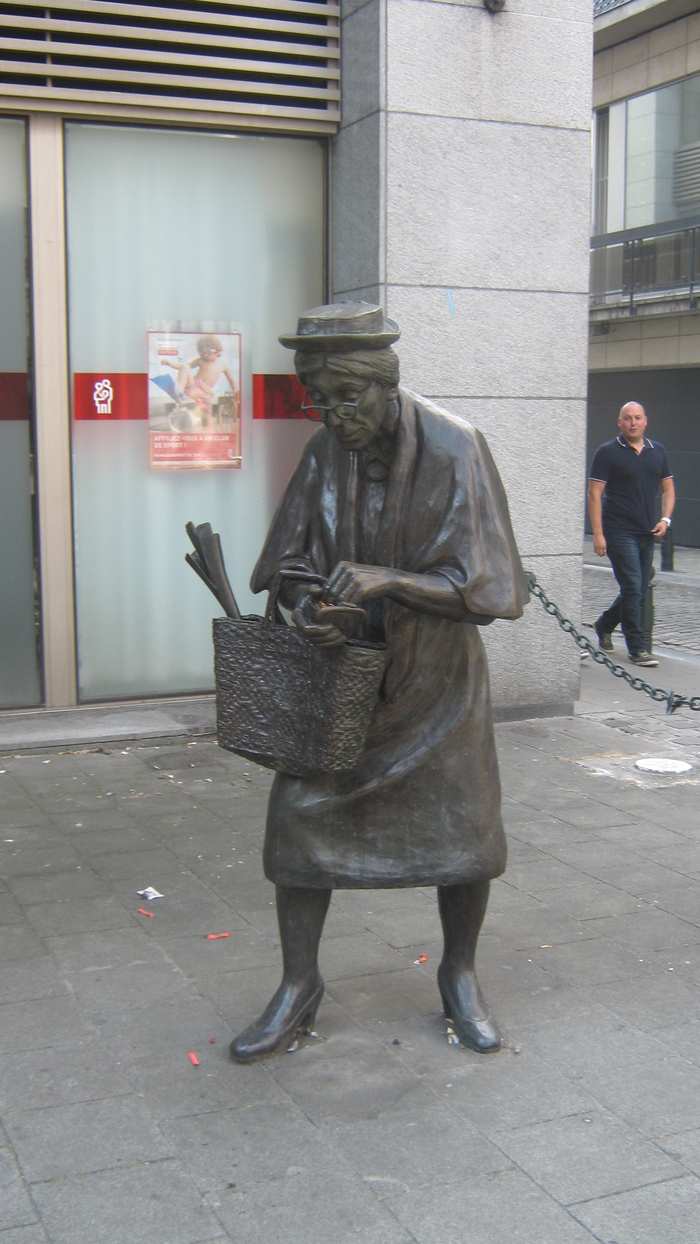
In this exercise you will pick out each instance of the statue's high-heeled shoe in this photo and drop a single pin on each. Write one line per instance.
(285, 1015)
(479, 1032)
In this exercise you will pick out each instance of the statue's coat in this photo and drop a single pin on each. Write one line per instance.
(422, 806)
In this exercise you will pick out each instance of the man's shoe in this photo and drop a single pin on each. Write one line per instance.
(605, 642)
(643, 658)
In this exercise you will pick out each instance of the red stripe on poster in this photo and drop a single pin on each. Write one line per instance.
(110, 395)
(14, 396)
(277, 397)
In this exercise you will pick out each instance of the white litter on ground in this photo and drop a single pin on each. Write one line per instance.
(662, 764)
(644, 770)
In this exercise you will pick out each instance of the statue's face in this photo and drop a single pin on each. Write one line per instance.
(352, 408)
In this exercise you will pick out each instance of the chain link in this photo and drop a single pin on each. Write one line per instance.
(672, 699)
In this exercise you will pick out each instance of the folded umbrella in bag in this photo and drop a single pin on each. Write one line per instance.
(287, 704)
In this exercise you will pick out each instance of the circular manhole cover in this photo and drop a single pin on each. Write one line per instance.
(662, 764)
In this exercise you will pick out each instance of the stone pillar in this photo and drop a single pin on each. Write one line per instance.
(460, 201)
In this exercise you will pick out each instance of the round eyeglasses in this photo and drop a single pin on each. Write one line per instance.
(318, 414)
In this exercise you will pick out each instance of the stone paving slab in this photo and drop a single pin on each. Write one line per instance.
(667, 1211)
(604, 1156)
(583, 1128)
(492, 1208)
(151, 1203)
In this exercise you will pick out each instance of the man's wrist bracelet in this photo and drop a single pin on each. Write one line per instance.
(664, 519)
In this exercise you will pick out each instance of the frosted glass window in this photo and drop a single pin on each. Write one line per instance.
(190, 232)
(20, 679)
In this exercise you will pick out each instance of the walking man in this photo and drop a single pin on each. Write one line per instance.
(625, 477)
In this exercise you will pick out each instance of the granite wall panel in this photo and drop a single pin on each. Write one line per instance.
(460, 200)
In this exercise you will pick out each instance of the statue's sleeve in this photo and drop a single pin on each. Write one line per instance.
(288, 541)
(472, 542)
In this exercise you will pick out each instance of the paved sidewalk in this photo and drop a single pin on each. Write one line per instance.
(586, 1127)
(169, 720)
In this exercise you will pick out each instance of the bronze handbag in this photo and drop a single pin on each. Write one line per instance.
(287, 704)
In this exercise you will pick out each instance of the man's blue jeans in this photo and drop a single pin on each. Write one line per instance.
(631, 558)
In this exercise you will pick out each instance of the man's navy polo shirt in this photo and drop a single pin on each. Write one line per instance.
(631, 484)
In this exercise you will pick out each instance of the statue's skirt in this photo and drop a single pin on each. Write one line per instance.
(422, 807)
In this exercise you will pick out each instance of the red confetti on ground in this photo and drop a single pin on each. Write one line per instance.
(193, 1059)
(422, 959)
(214, 937)
(212, 1040)
(150, 914)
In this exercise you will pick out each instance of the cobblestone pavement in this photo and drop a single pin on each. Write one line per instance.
(676, 597)
(586, 1127)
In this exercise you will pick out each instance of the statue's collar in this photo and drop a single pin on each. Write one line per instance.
(377, 457)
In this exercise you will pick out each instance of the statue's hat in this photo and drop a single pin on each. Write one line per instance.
(343, 326)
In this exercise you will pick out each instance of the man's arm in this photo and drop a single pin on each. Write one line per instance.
(668, 500)
(596, 488)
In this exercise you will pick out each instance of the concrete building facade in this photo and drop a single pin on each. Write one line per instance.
(645, 320)
(452, 186)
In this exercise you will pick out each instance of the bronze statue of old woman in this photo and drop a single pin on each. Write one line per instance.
(398, 505)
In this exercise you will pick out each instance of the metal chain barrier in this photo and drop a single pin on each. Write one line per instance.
(672, 699)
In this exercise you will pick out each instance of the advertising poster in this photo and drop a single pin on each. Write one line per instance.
(194, 407)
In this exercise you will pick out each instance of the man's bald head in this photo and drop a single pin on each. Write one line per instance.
(633, 406)
(632, 422)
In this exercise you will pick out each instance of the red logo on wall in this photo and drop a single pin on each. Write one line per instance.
(110, 395)
(124, 395)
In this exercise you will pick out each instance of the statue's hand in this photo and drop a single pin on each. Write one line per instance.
(352, 584)
(305, 618)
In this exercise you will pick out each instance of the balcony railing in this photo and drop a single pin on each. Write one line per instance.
(637, 266)
(603, 6)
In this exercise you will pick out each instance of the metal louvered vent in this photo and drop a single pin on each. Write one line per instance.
(270, 63)
(603, 6)
(686, 174)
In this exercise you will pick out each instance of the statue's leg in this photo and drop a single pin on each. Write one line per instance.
(301, 914)
(462, 911)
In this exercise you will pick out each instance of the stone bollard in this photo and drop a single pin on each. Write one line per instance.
(648, 613)
(667, 549)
